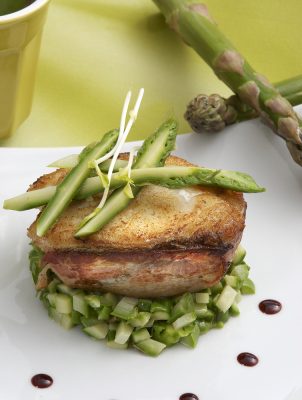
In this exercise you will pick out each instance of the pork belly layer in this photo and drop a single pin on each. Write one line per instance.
(164, 243)
(140, 274)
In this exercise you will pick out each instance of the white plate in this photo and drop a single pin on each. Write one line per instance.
(31, 343)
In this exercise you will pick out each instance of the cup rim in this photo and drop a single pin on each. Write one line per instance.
(24, 12)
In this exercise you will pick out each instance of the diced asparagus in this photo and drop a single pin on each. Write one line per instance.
(65, 289)
(123, 333)
(238, 297)
(140, 320)
(144, 305)
(226, 298)
(140, 335)
(240, 253)
(160, 316)
(232, 281)
(222, 317)
(125, 308)
(117, 346)
(66, 321)
(204, 327)
(54, 314)
(53, 286)
(240, 270)
(80, 304)
(247, 287)
(234, 310)
(166, 334)
(98, 331)
(76, 317)
(192, 339)
(51, 297)
(202, 298)
(104, 313)
(186, 330)
(109, 299)
(216, 288)
(63, 303)
(93, 300)
(90, 321)
(184, 305)
(203, 313)
(150, 347)
(184, 320)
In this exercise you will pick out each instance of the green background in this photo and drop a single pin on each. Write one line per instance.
(93, 51)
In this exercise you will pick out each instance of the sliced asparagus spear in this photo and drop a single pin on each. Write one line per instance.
(72, 160)
(153, 153)
(213, 113)
(193, 23)
(169, 177)
(66, 190)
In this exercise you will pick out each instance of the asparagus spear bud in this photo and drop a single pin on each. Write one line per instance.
(66, 190)
(209, 113)
(169, 177)
(153, 153)
(191, 20)
(213, 113)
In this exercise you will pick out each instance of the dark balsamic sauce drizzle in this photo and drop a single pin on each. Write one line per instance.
(270, 306)
(41, 381)
(188, 396)
(247, 359)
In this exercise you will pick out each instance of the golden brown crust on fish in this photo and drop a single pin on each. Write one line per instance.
(165, 242)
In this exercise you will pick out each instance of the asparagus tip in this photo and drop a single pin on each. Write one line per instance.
(209, 113)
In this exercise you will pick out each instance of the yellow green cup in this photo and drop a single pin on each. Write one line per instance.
(20, 38)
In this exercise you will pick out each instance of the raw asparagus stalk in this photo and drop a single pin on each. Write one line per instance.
(193, 23)
(66, 190)
(213, 113)
(169, 177)
(153, 153)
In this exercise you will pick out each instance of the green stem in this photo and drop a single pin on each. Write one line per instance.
(67, 189)
(72, 160)
(193, 23)
(169, 177)
(213, 113)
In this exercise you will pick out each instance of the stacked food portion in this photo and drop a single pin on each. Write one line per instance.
(154, 260)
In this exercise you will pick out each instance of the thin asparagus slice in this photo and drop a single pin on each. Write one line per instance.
(191, 20)
(213, 113)
(66, 162)
(72, 160)
(169, 177)
(153, 153)
(66, 190)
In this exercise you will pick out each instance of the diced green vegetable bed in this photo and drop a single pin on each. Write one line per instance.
(148, 325)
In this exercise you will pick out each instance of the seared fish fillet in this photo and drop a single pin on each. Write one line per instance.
(166, 242)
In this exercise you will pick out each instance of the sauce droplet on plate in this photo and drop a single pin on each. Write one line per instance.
(270, 306)
(42, 381)
(188, 396)
(247, 359)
